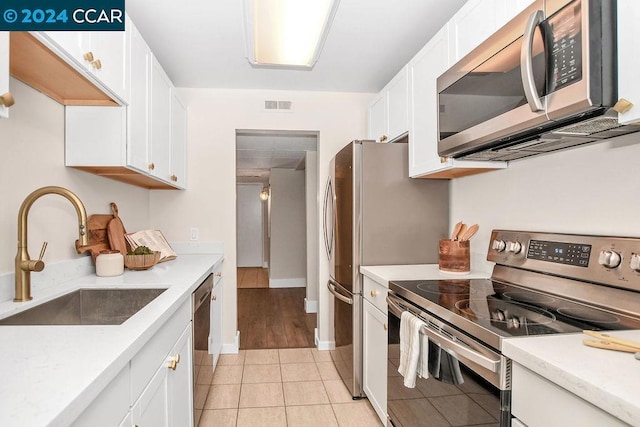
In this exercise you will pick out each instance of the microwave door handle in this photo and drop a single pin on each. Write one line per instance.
(526, 61)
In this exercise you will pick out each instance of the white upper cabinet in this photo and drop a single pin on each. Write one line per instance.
(101, 54)
(628, 58)
(160, 113)
(137, 123)
(389, 111)
(4, 74)
(178, 141)
(477, 20)
(424, 161)
(378, 118)
(144, 143)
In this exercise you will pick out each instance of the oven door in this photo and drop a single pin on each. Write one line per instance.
(467, 392)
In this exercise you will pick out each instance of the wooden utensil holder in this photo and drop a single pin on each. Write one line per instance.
(453, 256)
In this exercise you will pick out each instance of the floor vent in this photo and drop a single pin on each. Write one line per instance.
(278, 106)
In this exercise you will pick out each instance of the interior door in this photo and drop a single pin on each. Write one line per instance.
(249, 228)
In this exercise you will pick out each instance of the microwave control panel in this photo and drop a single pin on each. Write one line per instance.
(565, 31)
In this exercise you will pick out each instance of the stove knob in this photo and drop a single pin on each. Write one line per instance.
(515, 323)
(499, 315)
(515, 247)
(635, 262)
(609, 259)
(499, 245)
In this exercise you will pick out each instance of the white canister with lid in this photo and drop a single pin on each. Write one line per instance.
(109, 263)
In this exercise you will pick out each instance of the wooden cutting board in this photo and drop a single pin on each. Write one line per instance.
(96, 235)
(116, 231)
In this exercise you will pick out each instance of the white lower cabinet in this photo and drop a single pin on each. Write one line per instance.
(374, 346)
(531, 392)
(156, 386)
(215, 330)
(167, 399)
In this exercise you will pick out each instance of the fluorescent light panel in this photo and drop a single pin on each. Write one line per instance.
(287, 32)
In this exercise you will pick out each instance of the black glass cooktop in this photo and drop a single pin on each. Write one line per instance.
(506, 310)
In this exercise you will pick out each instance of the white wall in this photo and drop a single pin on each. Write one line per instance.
(249, 229)
(209, 202)
(288, 251)
(32, 156)
(311, 187)
(593, 189)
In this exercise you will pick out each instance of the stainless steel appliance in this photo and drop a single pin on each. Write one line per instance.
(546, 81)
(374, 214)
(201, 300)
(542, 283)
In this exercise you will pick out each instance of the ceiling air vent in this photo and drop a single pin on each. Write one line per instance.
(278, 106)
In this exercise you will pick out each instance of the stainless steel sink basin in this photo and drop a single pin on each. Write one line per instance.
(87, 307)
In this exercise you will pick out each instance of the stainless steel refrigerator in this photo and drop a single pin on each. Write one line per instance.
(374, 214)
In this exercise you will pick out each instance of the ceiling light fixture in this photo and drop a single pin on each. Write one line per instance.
(287, 33)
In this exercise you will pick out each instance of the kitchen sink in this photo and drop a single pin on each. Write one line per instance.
(87, 307)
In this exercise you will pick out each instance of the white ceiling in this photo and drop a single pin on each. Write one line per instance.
(200, 43)
(259, 152)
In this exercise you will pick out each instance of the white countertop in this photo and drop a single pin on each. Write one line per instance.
(608, 379)
(383, 274)
(50, 374)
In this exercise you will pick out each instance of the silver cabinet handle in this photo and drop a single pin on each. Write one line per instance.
(526, 61)
(331, 285)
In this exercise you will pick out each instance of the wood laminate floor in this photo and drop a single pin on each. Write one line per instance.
(274, 318)
(253, 277)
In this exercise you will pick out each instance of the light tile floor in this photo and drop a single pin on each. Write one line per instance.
(286, 387)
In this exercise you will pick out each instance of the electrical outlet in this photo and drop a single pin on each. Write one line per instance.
(194, 233)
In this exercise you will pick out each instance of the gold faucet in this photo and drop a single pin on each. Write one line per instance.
(25, 265)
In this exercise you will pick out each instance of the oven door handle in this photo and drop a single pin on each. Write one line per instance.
(454, 347)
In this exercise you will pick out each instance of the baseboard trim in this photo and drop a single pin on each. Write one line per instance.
(233, 348)
(323, 345)
(310, 306)
(297, 282)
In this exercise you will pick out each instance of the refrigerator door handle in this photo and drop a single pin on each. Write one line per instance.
(328, 234)
(331, 285)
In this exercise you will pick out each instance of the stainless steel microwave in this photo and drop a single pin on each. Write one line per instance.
(546, 81)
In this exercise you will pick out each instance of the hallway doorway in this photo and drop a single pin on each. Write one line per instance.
(277, 294)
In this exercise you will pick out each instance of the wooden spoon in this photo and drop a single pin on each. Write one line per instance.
(456, 230)
(463, 230)
(469, 233)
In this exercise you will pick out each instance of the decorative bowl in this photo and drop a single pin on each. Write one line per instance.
(141, 262)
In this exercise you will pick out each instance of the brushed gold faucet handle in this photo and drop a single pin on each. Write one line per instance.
(43, 250)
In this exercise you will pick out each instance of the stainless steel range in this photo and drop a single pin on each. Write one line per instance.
(542, 283)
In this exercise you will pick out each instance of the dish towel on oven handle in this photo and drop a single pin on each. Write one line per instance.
(414, 348)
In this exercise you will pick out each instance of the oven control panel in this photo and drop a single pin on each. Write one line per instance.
(613, 261)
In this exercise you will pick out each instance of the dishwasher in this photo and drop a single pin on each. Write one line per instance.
(201, 300)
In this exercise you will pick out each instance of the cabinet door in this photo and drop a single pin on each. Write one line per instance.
(180, 382)
(152, 408)
(137, 117)
(375, 358)
(378, 117)
(473, 24)
(4, 69)
(178, 142)
(110, 56)
(73, 44)
(398, 104)
(628, 58)
(514, 7)
(215, 339)
(160, 141)
(424, 70)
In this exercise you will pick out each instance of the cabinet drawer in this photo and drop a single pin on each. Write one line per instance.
(375, 293)
(146, 362)
(111, 405)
